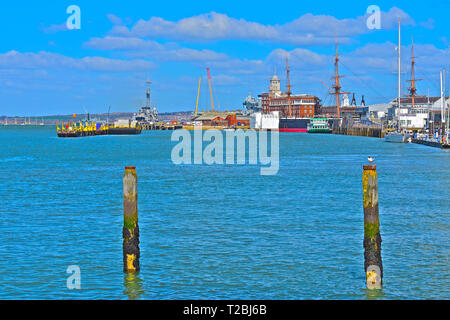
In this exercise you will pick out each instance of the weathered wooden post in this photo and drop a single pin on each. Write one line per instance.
(372, 238)
(131, 252)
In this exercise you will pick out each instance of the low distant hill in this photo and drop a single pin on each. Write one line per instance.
(175, 116)
(165, 116)
(53, 119)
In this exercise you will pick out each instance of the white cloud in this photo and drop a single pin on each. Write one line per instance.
(432, 59)
(238, 66)
(55, 28)
(122, 43)
(383, 56)
(139, 48)
(386, 49)
(429, 24)
(114, 19)
(308, 29)
(371, 57)
(46, 60)
(299, 57)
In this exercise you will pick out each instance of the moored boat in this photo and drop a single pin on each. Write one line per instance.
(396, 137)
(124, 130)
(291, 124)
(319, 125)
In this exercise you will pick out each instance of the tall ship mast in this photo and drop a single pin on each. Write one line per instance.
(337, 86)
(401, 136)
(399, 64)
(294, 110)
(288, 86)
(412, 90)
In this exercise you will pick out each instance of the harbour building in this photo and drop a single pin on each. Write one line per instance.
(418, 114)
(300, 105)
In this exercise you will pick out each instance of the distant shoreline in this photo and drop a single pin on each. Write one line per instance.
(177, 115)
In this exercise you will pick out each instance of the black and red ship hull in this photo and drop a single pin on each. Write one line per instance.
(293, 124)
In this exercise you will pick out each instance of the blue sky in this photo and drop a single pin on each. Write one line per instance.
(46, 69)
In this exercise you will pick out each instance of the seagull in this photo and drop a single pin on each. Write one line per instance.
(370, 159)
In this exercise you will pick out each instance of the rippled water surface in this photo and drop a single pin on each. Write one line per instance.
(219, 232)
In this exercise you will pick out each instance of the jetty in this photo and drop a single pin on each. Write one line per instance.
(432, 143)
(363, 130)
(174, 125)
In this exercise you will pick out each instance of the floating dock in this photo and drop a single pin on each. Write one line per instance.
(161, 126)
(431, 143)
(76, 130)
(220, 128)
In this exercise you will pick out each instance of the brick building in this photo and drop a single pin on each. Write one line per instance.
(302, 105)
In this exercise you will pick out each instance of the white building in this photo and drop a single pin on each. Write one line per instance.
(275, 88)
(413, 121)
(345, 101)
(125, 123)
(378, 111)
(417, 117)
(261, 120)
(437, 104)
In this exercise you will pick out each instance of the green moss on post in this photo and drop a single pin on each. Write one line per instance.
(130, 231)
(372, 239)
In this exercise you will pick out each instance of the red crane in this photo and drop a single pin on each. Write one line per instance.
(210, 89)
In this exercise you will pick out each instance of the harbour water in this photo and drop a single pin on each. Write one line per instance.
(222, 231)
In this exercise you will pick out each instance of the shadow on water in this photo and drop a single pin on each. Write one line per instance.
(132, 286)
(373, 294)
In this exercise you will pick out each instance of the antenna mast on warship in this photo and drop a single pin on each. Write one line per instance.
(146, 116)
(147, 104)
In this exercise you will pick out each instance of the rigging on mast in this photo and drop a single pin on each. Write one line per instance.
(337, 87)
(288, 86)
(412, 90)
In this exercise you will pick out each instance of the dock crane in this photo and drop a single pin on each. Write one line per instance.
(198, 95)
(87, 113)
(210, 89)
(107, 119)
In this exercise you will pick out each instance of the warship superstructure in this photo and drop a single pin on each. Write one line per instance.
(146, 115)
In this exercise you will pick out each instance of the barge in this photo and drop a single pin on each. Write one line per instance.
(88, 129)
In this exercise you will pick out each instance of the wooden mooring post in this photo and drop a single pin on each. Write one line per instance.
(372, 238)
(130, 231)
